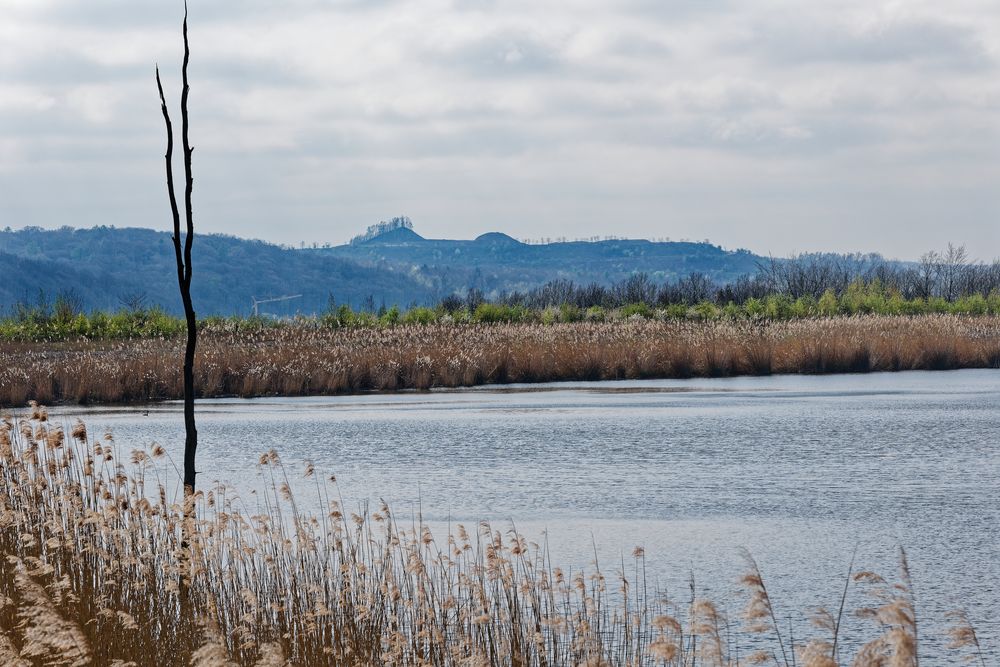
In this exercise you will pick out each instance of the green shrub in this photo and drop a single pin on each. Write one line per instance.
(491, 313)
(390, 317)
(343, 316)
(975, 304)
(993, 303)
(420, 315)
(640, 309)
(675, 311)
(778, 307)
(704, 310)
(804, 306)
(732, 311)
(754, 307)
(569, 313)
(937, 304)
(828, 304)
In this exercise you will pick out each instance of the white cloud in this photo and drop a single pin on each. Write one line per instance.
(773, 125)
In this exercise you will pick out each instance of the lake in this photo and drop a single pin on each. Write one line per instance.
(800, 470)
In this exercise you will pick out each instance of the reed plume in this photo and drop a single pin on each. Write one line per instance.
(305, 357)
(98, 562)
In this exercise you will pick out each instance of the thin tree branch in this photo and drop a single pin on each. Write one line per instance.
(170, 178)
(183, 258)
(188, 150)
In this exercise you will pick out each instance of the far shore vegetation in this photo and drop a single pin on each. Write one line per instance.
(62, 319)
(316, 357)
(792, 316)
(807, 286)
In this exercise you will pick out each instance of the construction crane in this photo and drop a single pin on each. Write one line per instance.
(254, 301)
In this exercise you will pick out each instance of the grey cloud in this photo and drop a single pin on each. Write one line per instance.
(635, 45)
(117, 14)
(490, 139)
(61, 67)
(528, 111)
(676, 11)
(678, 7)
(897, 41)
(752, 137)
(475, 5)
(503, 53)
(250, 72)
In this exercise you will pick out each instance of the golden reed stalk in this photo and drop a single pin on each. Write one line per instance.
(306, 357)
(93, 563)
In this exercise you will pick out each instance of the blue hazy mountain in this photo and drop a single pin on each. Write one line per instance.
(390, 264)
(496, 262)
(105, 266)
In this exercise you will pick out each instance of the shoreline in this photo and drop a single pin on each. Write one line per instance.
(309, 361)
(515, 387)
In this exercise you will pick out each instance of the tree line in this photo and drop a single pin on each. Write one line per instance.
(949, 276)
(821, 285)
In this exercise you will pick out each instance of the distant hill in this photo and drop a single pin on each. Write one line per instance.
(104, 266)
(397, 236)
(496, 262)
(397, 229)
(389, 264)
(24, 279)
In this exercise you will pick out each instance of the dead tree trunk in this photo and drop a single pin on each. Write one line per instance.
(183, 257)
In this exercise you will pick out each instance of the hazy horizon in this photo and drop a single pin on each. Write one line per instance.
(772, 126)
(538, 240)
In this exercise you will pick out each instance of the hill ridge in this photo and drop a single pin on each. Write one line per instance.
(106, 266)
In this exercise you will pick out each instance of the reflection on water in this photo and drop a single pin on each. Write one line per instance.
(800, 470)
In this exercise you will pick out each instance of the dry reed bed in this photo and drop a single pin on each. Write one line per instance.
(307, 358)
(100, 567)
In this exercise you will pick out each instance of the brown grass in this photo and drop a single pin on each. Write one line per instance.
(98, 566)
(306, 358)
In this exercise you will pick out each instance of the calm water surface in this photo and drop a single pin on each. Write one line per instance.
(800, 470)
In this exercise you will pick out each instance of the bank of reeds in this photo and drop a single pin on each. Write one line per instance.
(308, 358)
(99, 565)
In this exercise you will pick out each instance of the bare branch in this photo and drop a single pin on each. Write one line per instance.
(183, 258)
(168, 157)
(188, 179)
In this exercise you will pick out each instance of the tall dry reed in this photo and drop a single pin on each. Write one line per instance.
(308, 358)
(99, 566)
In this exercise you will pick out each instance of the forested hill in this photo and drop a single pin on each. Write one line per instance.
(497, 263)
(105, 267)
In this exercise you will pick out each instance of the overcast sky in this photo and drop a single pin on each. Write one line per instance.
(776, 126)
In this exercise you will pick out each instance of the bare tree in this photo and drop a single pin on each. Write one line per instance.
(695, 287)
(637, 288)
(183, 257)
(953, 269)
(133, 302)
(928, 272)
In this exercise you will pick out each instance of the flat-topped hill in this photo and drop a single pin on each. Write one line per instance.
(104, 267)
(496, 262)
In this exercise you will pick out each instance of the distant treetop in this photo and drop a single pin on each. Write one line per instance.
(373, 231)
